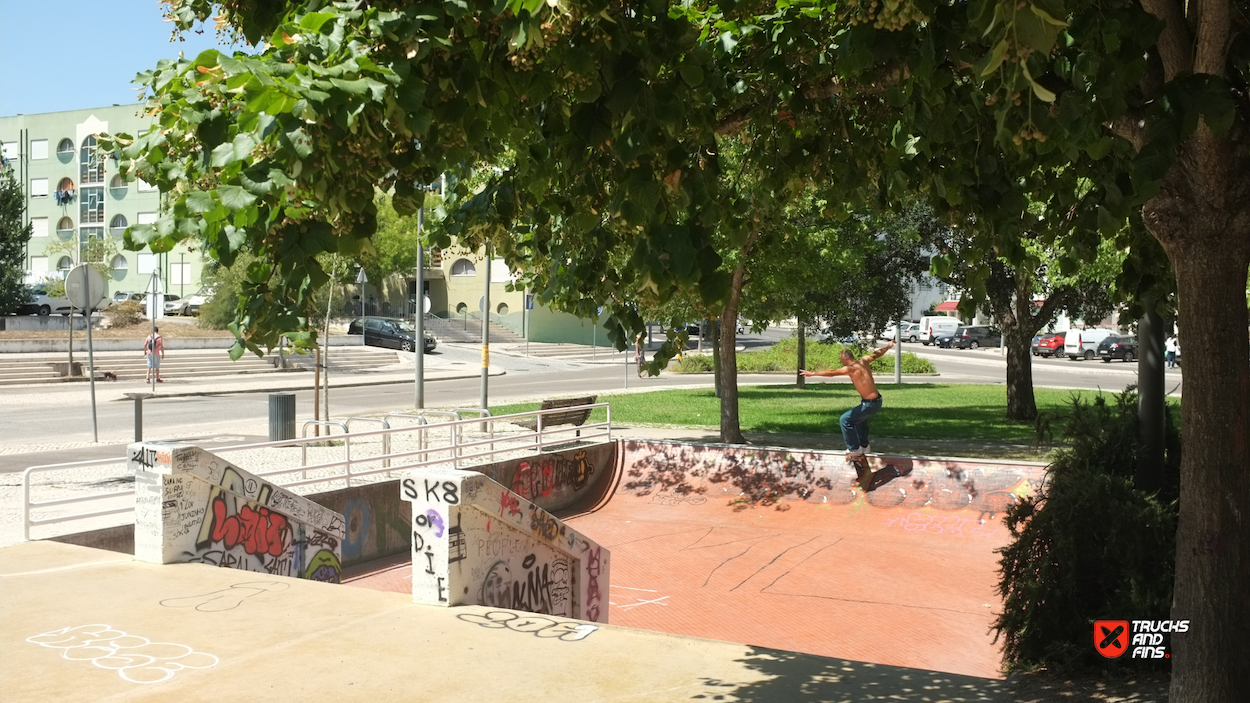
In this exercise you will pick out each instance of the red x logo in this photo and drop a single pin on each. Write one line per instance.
(1111, 637)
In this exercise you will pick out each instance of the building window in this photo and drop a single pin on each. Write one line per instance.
(65, 147)
(9, 150)
(118, 225)
(179, 274)
(92, 206)
(92, 165)
(86, 234)
(147, 218)
(38, 226)
(463, 267)
(64, 191)
(65, 228)
(119, 267)
(64, 265)
(502, 309)
(147, 263)
(117, 182)
(143, 186)
(461, 309)
(39, 265)
(38, 149)
(38, 187)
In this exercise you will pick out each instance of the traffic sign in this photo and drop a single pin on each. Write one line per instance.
(481, 303)
(361, 277)
(425, 303)
(85, 287)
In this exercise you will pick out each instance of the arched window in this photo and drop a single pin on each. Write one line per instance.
(461, 309)
(65, 228)
(66, 146)
(117, 182)
(502, 309)
(119, 266)
(64, 265)
(463, 267)
(92, 166)
(118, 224)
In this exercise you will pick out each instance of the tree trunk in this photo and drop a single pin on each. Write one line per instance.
(1021, 405)
(1151, 405)
(730, 428)
(1201, 216)
(716, 365)
(800, 381)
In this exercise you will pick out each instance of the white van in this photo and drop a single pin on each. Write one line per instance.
(1083, 344)
(936, 326)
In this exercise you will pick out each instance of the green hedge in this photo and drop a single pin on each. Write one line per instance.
(784, 355)
(1091, 544)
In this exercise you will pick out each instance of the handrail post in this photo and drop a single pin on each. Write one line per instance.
(26, 476)
(347, 456)
(539, 432)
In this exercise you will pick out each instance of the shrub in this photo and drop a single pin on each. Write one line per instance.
(1090, 544)
(784, 355)
(124, 314)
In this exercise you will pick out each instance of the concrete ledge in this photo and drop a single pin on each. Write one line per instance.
(17, 346)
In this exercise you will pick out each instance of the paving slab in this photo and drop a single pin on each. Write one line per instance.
(81, 624)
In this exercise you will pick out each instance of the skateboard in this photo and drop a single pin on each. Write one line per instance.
(869, 480)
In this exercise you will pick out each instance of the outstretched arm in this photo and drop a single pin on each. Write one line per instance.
(879, 353)
(824, 372)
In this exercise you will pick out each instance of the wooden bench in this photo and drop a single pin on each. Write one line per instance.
(576, 418)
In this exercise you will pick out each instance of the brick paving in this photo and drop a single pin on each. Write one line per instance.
(898, 586)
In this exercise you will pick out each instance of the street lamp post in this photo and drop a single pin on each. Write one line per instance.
(419, 317)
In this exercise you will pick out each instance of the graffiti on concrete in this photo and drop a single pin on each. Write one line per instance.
(544, 627)
(538, 588)
(191, 506)
(690, 475)
(540, 477)
(951, 525)
(135, 659)
(226, 598)
(501, 550)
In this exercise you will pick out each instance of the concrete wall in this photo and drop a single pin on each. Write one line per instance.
(171, 344)
(474, 542)
(40, 323)
(673, 473)
(194, 507)
(548, 325)
(377, 521)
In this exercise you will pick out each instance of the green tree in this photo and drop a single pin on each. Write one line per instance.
(611, 114)
(13, 238)
(95, 251)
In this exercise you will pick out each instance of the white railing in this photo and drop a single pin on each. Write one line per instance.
(417, 446)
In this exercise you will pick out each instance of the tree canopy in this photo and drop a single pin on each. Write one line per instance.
(602, 122)
(14, 234)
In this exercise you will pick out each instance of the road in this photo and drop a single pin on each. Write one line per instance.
(53, 419)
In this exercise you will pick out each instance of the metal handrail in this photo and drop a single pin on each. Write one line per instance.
(386, 438)
(304, 436)
(422, 434)
(456, 447)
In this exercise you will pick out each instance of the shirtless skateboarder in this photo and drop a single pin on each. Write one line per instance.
(855, 420)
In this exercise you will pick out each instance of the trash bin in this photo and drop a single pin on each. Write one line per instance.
(281, 416)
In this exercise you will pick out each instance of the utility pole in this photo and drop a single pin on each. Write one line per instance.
(419, 317)
(482, 402)
(898, 353)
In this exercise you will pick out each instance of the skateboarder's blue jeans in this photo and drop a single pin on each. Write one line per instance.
(855, 423)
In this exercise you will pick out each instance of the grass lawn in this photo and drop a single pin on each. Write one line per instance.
(784, 355)
(930, 411)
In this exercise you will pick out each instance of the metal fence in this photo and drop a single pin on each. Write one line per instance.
(457, 443)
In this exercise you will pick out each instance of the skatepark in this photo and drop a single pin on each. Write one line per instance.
(650, 570)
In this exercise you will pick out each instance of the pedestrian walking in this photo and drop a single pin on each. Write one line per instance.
(154, 350)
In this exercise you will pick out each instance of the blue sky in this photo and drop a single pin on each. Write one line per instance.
(75, 54)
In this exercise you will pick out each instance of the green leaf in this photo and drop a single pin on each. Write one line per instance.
(357, 87)
(314, 21)
(235, 197)
(995, 58)
(199, 201)
(691, 73)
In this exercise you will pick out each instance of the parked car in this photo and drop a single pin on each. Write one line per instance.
(1048, 344)
(1114, 347)
(390, 333)
(174, 305)
(974, 336)
(946, 340)
(122, 296)
(42, 304)
(934, 326)
(191, 304)
(1083, 344)
(908, 331)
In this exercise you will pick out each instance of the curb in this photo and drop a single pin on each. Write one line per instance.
(186, 394)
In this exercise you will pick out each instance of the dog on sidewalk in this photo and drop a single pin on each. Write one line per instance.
(110, 376)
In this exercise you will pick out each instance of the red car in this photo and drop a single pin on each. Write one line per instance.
(1048, 344)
